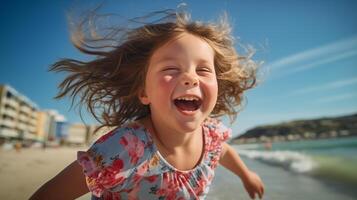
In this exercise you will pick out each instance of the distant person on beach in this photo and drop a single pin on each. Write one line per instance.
(18, 146)
(268, 145)
(162, 85)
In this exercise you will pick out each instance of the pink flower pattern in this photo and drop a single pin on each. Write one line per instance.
(133, 146)
(125, 164)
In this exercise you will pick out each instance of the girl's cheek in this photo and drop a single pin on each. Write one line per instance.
(167, 78)
(212, 84)
(165, 81)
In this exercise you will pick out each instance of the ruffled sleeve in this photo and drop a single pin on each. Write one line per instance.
(224, 132)
(215, 134)
(91, 171)
(109, 162)
(217, 130)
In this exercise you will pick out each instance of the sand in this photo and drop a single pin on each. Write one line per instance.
(22, 173)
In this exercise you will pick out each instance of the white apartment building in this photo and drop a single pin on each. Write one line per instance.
(18, 115)
(21, 119)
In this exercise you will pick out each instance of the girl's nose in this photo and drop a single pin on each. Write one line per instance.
(189, 80)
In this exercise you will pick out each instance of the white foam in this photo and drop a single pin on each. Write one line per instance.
(295, 161)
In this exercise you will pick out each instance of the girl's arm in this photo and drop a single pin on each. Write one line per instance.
(251, 181)
(68, 184)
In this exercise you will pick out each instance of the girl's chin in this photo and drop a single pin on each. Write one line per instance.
(190, 127)
(190, 123)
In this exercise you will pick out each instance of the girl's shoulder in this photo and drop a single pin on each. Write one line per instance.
(127, 131)
(216, 133)
(115, 156)
(217, 129)
(128, 144)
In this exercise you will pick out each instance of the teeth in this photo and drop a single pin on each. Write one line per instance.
(191, 98)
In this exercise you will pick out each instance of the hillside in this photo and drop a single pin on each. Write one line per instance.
(302, 129)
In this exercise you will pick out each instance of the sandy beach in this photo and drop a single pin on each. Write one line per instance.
(21, 173)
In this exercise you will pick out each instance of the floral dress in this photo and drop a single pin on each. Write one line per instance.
(126, 164)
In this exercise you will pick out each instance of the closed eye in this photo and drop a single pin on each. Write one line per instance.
(204, 69)
(171, 69)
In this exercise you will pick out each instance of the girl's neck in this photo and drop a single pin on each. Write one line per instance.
(170, 139)
(174, 146)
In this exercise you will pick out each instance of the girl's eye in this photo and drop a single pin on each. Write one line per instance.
(170, 69)
(204, 69)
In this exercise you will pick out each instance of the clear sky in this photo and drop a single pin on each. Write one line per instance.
(309, 49)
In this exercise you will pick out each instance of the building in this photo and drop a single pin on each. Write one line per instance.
(81, 134)
(62, 130)
(18, 115)
(77, 134)
(51, 125)
(43, 125)
(22, 120)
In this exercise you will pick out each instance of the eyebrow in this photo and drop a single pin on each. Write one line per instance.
(166, 58)
(169, 58)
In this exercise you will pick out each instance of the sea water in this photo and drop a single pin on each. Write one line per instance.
(313, 169)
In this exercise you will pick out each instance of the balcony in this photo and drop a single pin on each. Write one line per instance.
(32, 129)
(10, 112)
(8, 123)
(26, 109)
(11, 102)
(22, 126)
(4, 132)
(23, 118)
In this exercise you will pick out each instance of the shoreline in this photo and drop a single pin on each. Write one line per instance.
(258, 141)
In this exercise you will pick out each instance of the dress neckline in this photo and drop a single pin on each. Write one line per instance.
(156, 149)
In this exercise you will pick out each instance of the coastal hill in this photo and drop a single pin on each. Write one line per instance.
(302, 129)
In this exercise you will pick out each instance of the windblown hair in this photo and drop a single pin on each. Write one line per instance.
(109, 84)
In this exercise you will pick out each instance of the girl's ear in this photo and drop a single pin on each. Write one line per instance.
(143, 97)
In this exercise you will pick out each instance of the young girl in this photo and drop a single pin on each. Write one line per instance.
(162, 86)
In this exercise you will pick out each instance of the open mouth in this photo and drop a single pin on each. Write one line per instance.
(188, 103)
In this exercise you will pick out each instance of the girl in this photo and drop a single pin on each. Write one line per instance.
(162, 86)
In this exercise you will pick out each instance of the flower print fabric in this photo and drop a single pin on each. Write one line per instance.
(126, 164)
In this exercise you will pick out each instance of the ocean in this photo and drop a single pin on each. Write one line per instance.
(315, 169)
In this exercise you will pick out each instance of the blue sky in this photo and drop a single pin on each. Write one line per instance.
(309, 50)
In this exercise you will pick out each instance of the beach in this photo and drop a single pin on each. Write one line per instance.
(285, 173)
(22, 173)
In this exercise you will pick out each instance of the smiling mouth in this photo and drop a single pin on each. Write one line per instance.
(188, 104)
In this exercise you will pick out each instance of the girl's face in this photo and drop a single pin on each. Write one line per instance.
(181, 85)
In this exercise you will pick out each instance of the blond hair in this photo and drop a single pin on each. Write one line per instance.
(109, 84)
